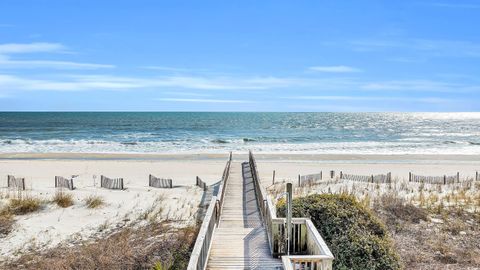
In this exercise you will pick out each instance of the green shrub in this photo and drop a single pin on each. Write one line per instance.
(357, 239)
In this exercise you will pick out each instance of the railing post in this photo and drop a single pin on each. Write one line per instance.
(289, 216)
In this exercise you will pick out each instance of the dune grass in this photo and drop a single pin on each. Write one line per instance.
(6, 222)
(154, 246)
(63, 199)
(94, 201)
(24, 205)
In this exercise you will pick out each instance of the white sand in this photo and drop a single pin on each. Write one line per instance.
(53, 225)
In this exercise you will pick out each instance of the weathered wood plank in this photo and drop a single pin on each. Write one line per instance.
(240, 241)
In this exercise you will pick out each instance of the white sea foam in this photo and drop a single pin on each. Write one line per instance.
(412, 146)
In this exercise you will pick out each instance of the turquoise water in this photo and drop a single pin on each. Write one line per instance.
(164, 132)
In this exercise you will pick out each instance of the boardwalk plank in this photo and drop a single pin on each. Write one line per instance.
(240, 241)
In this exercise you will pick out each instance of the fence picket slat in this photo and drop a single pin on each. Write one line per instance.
(16, 183)
(435, 180)
(115, 183)
(159, 182)
(61, 182)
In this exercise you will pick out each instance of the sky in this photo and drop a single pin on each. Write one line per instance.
(412, 55)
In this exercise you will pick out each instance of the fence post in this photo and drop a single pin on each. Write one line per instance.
(458, 177)
(341, 174)
(299, 180)
(273, 178)
(321, 175)
(409, 176)
(23, 183)
(444, 179)
(332, 174)
(372, 178)
(289, 216)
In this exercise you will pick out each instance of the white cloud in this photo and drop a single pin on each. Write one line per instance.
(419, 85)
(201, 100)
(428, 47)
(17, 48)
(5, 63)
(106, 82)
(453, 5)
(11, 48)
(334, 69)
(374, 98)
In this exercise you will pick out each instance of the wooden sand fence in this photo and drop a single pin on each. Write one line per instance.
(379, 178)
(201, 184)
(309, 179)
(436, 180)
(159, 182)
(15, 183)
(62, 182)
(115, 183)
(477, 176)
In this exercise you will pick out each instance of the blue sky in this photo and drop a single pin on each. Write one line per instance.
(239, 55)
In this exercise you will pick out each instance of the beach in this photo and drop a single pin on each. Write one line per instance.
(53, 225)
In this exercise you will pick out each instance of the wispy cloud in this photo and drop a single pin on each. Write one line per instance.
(108, 82)
(164, 68)
(5, 63)
(420, 85)
(452, 5)
(373, 98)
(334, 69)
(6, 50)
(428, 47)
(202, 100)
(12, 48)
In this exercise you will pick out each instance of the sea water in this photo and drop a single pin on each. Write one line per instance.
(203, 132)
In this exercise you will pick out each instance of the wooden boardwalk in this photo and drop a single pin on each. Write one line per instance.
(240, 240)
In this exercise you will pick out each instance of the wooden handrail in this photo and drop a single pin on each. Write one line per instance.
(307, 245)
(199, 257)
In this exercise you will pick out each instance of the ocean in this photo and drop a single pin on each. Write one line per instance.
(202, 132)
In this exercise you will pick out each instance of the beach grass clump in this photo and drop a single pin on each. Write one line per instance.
(23, 205)
(356, 237)
(63, 199)
(94, 201)
(6, 222)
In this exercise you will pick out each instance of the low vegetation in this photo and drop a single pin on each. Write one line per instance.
(24, 205)
(94, 201)
(63, 199)
(155, 246)
(18, 204)
(6, 222)
(357, 239)
(432, 226)
(432, 236)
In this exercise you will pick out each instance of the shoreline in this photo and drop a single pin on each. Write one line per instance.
(292, 157)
